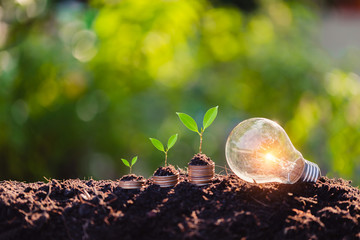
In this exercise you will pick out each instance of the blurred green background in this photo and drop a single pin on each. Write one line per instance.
(86, 83)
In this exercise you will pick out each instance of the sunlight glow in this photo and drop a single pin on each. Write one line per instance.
(270, 157)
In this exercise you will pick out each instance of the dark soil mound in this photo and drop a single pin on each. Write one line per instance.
(229, 208)
(131, 177)
(165, 171)
(200, 159)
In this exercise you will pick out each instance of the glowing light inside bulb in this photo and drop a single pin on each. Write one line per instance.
(270, 162)
(270, 157)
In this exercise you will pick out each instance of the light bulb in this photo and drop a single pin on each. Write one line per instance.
(259, 150)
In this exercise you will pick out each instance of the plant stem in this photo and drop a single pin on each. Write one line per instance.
(200, 141)
(165, 157)
(130, 169)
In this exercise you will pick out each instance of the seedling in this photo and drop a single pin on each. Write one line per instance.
(190, 123)
(160, 146)
(127, 163)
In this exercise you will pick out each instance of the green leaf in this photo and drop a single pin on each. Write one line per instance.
(126, 163)
(133, 161)
(209, 117)
(188, 121)
(172, 141)
(157, 144)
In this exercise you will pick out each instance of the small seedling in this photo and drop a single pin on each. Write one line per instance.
(190, 123)
(127, 163)
(160, 146)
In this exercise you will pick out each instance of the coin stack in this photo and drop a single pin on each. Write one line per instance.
(201, 175)
(131, 184)
(166, 181)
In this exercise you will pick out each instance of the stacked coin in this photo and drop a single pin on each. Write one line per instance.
(201, 175)
(166, 181)
(131, 184)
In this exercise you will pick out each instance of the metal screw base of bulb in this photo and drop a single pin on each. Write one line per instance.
(311, 172)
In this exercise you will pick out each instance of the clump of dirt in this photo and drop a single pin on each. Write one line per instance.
(200, 159)
(165, 171)
(131, 177)
(227, 208)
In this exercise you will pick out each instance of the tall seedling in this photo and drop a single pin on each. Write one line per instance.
(190, 123)
(160, 146)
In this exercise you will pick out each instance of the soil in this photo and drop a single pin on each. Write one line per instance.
(200, 159)
(228, 208)
(166, 171)
(131, 177)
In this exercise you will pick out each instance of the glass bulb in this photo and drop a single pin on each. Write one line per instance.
(259, 150)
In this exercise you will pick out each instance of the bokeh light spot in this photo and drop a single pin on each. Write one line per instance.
(20, 111)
